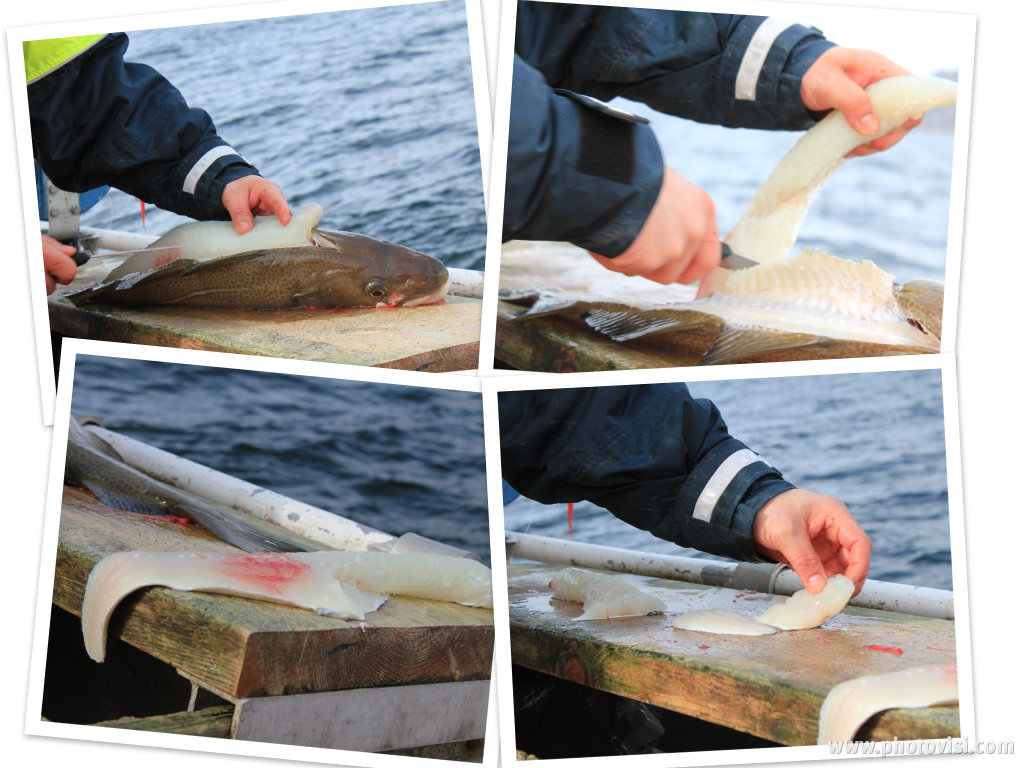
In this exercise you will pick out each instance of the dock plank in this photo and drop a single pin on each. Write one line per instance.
(245, 648)
(770, 686)
(438, 338)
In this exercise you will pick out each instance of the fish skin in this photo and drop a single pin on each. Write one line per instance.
(91, 462)
(378, 275)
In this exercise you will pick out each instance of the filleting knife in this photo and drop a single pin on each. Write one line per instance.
(715, 281)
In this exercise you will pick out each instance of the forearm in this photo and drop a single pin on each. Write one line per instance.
(652, 455)
(100, 120)
(717, 68)
(575, 173)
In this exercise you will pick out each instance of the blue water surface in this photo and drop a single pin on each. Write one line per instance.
(876, 441)
(369, 113)
(396, 458)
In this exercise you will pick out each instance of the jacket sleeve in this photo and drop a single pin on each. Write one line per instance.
(732, 70)
(651, 455)
(576, 170)
(101, 120)
(577, 173)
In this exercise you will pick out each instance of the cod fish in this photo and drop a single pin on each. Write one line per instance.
(344, 585)
(366, 273)
(91, 462)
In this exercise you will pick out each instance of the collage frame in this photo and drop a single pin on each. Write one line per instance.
(491, 29)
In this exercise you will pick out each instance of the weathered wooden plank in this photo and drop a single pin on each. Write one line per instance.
(214, 722)
(244, 648)
(368, 720)
(770, 686)
(443, 337)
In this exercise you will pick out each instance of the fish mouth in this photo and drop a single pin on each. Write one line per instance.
(435, 297)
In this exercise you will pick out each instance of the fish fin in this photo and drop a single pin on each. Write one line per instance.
(97, 291)
(236, 530)
(736, 343)
(515, 295)
(551, 304)
(117, 500)
(628, 323)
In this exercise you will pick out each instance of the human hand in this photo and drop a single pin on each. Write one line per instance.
(679, 241)
(58, 262)
(815, 535)
(837, 81)
(251, 195)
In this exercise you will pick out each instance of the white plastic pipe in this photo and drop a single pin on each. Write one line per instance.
(290, 514)
(764, 577)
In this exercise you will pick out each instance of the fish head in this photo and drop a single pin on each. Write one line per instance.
(388, 275)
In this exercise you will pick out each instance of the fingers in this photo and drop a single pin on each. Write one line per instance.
(58, 263)
(801, 556)
(837, 81)
(815, 535)
(254, 195)
(678, 242)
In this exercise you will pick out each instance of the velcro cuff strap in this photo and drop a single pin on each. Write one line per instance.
(607, 145)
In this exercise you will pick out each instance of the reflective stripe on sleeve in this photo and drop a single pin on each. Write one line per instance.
(203, 164)
(755, 55)
(719, 481)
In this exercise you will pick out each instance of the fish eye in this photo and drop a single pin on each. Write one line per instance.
(376, 289)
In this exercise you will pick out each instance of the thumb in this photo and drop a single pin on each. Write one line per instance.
(802, 558)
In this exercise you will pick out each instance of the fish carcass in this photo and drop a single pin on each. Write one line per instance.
(91, 462)
(343, 585)
(809, 306)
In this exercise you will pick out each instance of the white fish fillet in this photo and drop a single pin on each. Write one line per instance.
(823, 295)
(603, 596)
(345, 585)
(204, 240)
(850, 704)
(767, 229)
(805, 609)
(722, 623)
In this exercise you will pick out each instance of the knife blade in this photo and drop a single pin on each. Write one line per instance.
(716, 279)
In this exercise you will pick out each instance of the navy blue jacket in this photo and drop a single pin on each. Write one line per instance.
(579, 173)
(651, 455)
(100, 120)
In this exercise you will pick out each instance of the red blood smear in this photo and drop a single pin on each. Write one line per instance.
(182, 521)
(570, 518)
(143, 204)
(947, 650)
(273, 571)
(886, 648)
(702, 647)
